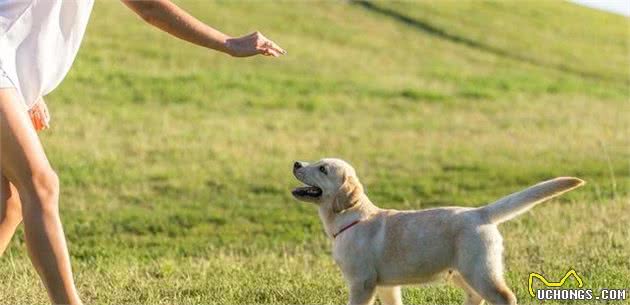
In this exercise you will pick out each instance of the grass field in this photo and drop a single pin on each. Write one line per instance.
(175, 162)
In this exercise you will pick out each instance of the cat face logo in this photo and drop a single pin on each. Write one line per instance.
(552, 284)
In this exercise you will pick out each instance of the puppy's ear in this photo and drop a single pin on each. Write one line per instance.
(348, 195)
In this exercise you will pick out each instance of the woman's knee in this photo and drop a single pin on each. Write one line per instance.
(10, 206)
(12, 212)
(43, 191)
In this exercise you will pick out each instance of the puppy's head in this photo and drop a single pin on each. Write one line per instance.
(328, 181)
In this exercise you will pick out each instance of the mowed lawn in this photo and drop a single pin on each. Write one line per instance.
(175, 162)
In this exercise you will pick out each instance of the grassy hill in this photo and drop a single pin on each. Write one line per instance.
(175, 162)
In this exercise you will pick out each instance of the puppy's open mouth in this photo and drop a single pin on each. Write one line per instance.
(307, 191)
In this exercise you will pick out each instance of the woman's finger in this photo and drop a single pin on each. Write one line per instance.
(266, 49)
(276, 47)
(262, 50)
(274, 53)
(269, 52)
(272, 45)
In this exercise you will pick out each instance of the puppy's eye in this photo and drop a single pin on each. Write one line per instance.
(323, 170)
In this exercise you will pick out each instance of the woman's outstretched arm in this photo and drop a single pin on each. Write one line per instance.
(168, 17)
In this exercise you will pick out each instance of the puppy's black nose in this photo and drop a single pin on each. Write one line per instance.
(297, 165)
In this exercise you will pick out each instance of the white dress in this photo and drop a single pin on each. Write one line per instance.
(39, 40)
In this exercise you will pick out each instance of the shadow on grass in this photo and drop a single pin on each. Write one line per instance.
(442, 34)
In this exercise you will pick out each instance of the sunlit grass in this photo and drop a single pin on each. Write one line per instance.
(175, 161)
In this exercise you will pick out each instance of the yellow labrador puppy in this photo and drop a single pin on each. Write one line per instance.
(379, 250)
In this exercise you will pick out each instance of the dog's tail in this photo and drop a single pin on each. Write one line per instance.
(515, 204)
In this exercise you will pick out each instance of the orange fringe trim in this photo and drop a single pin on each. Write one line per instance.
(39, 115)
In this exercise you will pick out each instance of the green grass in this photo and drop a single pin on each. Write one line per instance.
(175, 162)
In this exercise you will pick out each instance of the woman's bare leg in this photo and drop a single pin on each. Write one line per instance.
(10, 212)
(24, 163)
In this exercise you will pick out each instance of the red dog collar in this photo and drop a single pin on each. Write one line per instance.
(346, 228)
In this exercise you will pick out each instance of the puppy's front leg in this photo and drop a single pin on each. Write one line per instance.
(362, 292)
(389, 295)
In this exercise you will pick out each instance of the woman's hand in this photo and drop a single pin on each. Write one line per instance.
(253, 44)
